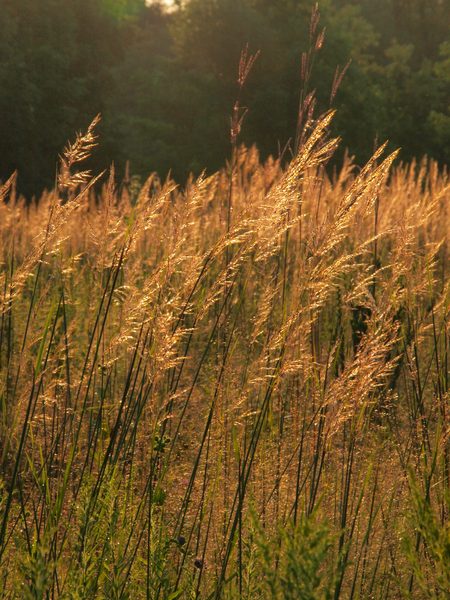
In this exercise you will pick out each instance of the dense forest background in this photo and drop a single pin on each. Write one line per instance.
(165, 80)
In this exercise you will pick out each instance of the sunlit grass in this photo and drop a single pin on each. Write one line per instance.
(214, 396)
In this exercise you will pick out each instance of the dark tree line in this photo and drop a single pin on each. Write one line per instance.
(165, 81)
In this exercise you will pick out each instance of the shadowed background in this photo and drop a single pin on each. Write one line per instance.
(164, 80)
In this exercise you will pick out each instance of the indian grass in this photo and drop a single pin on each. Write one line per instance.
(222, 390)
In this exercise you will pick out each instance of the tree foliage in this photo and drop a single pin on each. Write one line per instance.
(165, 81)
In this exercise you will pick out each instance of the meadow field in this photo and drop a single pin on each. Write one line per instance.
(233, 388)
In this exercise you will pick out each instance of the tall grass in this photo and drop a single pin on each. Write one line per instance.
(235, 389)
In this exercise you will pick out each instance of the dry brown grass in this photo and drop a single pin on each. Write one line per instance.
(168, 370)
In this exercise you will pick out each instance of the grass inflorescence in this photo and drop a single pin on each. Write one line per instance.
(235, 389)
